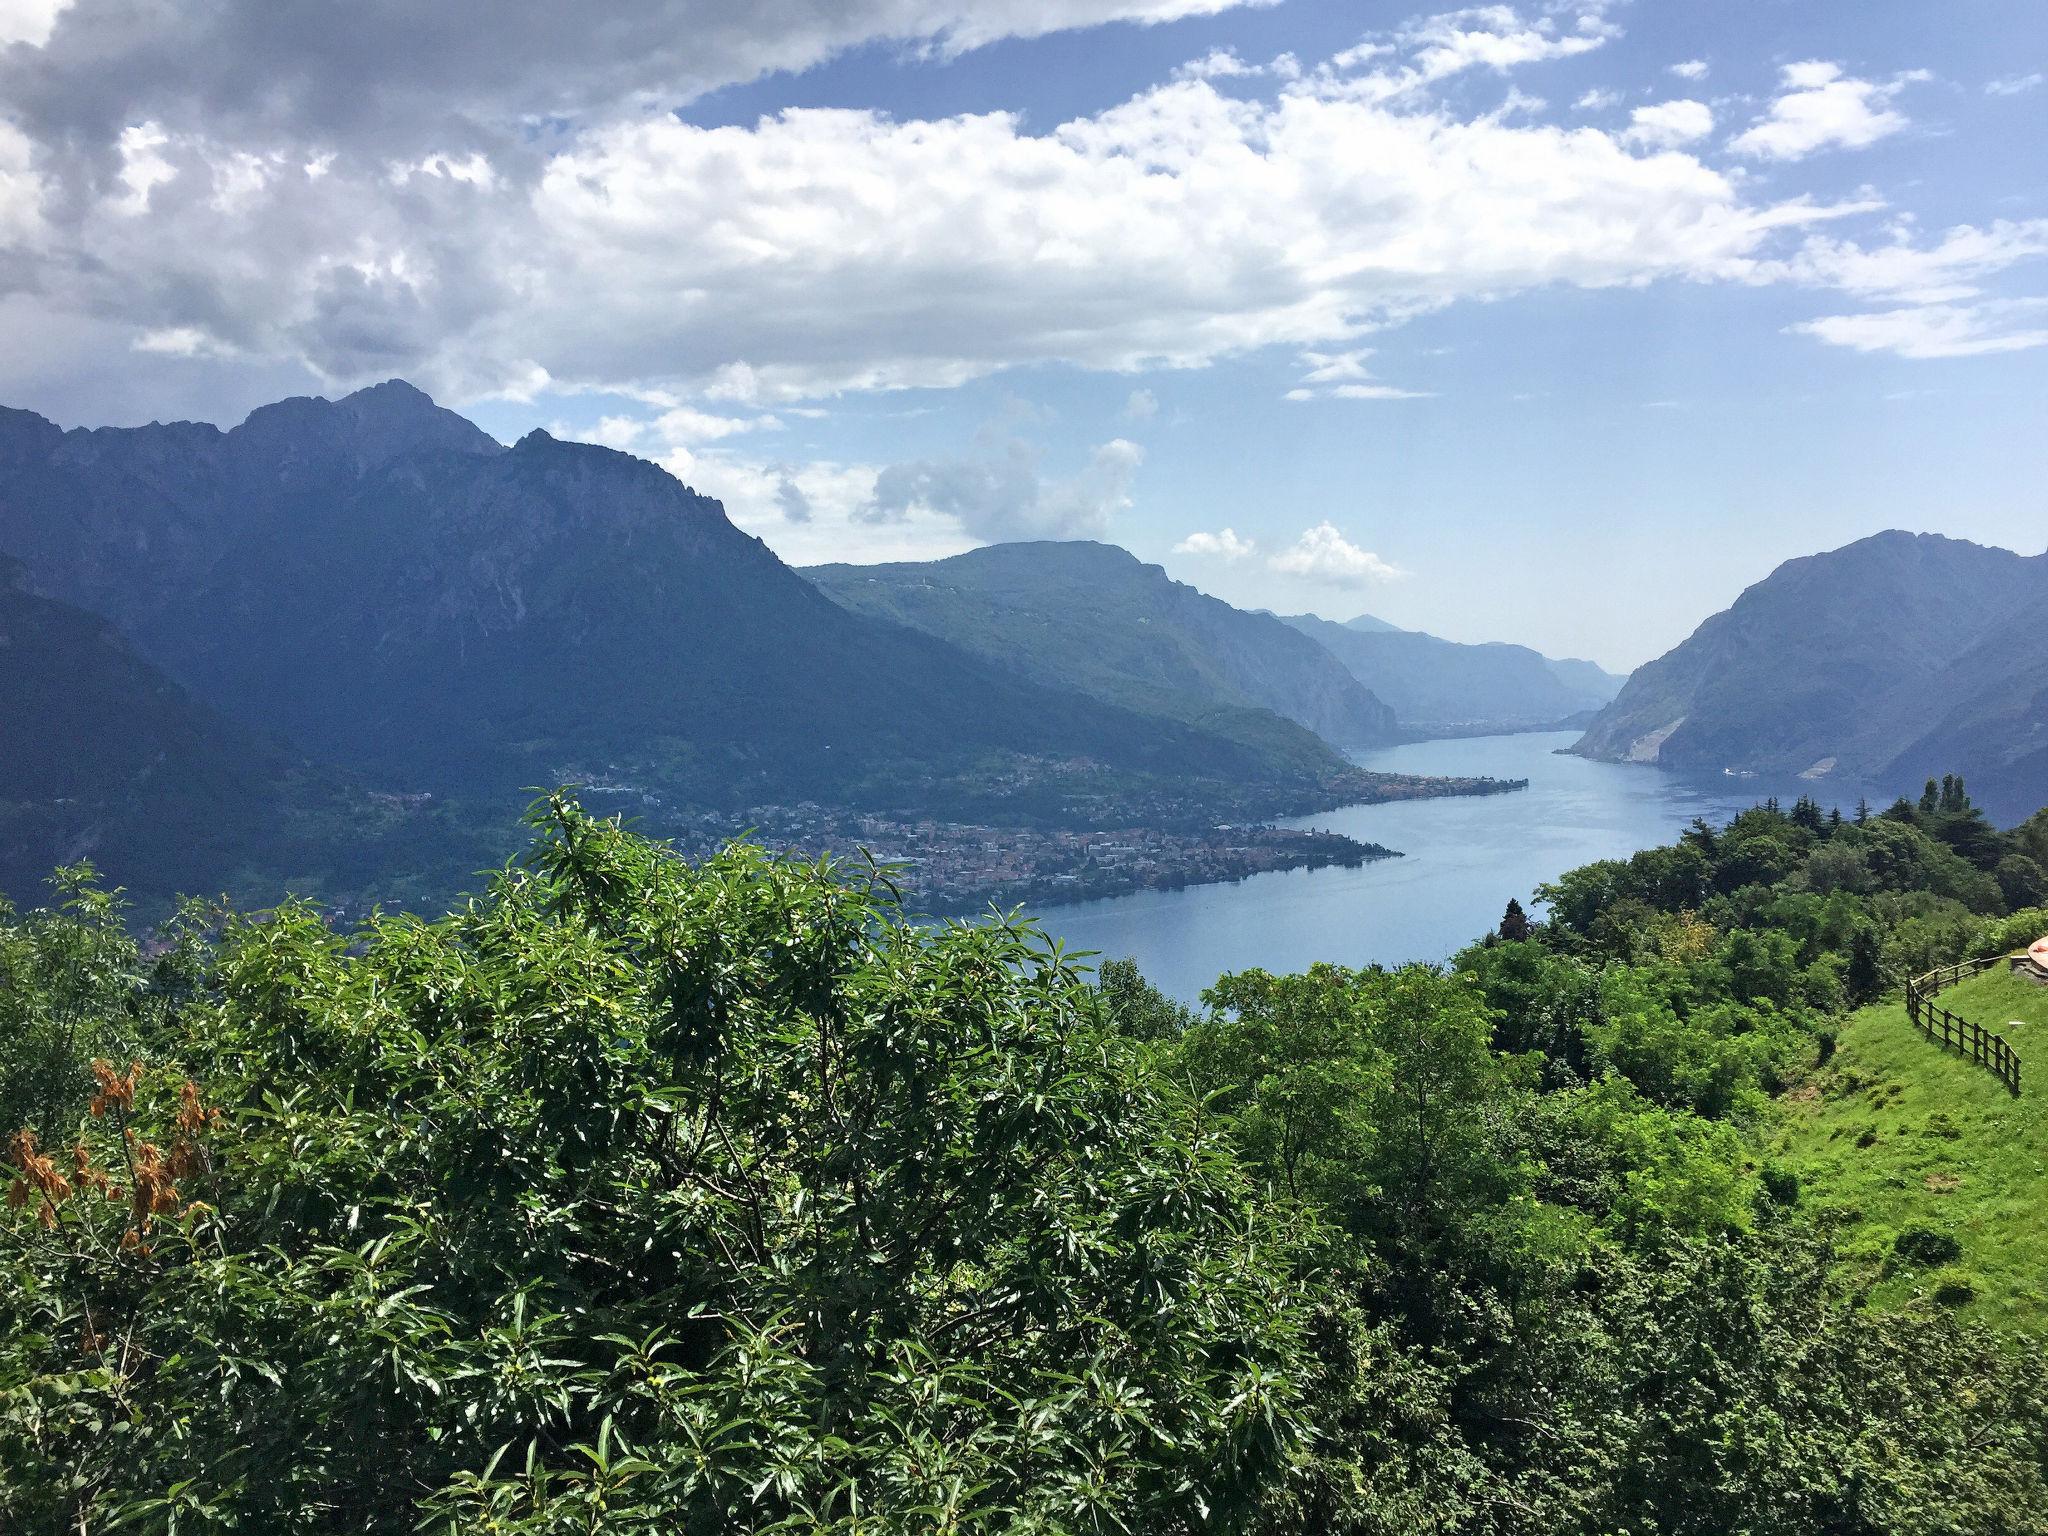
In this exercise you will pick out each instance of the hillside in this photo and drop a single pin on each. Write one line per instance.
(1442, 687)
(107, 759)
(1896, 1134)
(1896, 657)
(1100, 620)
(380, 582)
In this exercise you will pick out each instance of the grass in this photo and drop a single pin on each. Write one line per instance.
(1896, 1136)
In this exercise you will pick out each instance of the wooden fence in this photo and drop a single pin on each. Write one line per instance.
(1981, 1045)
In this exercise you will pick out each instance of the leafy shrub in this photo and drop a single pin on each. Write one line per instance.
(635, 1196)
(1927, 1248)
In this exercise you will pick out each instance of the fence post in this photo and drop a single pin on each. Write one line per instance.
(1964, 1036)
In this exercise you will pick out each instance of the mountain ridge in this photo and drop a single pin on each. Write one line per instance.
(1894, 657)
(380, 582)
(1121, 630)
(1446, 687)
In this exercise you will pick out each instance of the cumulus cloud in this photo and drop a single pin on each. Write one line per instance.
(1690, 69)
(1224, 544)
(489, 241)
(29, 21)
(1001, 496)
(1323, 554)
(377, 74)
(678, 426)
(1597, 100)
(1498, 37)
(1938, 330)
(2013, 85)
(1669, 124)
(1822, 108)
(1142, 405)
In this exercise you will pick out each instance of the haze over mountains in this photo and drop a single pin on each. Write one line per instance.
(1098, 619)
(1896, 658)
(1442, 687)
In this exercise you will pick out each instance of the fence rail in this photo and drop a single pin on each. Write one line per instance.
(1985, 1047)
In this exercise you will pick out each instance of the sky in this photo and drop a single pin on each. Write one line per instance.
(1557, 322)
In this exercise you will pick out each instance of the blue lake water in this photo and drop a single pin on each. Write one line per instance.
(1463, 859)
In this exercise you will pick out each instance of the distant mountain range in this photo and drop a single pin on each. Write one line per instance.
(1444, 688)
(1886, 661)
(340, 612)
(390, 589)
(1096, 618)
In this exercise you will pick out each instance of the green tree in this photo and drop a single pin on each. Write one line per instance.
(635, 1197)
(1514, 923)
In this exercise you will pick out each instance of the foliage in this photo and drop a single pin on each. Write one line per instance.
(633, 1196)
(1893, 1133)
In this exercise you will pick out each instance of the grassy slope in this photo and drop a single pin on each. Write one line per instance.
(1947, 1148)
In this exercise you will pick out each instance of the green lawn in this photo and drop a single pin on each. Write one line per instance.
(1895, 1133)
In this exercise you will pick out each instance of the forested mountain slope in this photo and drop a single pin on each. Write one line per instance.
(1096, 618)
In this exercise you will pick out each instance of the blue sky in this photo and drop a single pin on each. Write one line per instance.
(1558, 323)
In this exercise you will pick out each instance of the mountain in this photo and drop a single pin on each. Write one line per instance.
(1098, 619)
(384, 585)
(107, 759)
(1442, 687)
(1893, 658)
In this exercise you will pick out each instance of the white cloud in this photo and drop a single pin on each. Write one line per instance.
(1323, 554)
(818, 251)
(1332, 367)
(1669, 124)
(813, 513)
(1344, 376)
(2014, 85)
(1142, 405)
(1000, 495)
(1597, 100)
(1379, 392)
(179, 341)
(1951, 268)
(372, 77)
(1497, 37)
(1224, 544)
(1690, 69)
(29, 21)
(1938, 330)
(21, 190)
(677, 427)
(1822, 108)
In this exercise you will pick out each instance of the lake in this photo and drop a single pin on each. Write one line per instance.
(1463, 858)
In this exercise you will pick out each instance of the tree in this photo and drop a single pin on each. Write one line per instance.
(1864, 978)
(1514, 923)
(638, 1197)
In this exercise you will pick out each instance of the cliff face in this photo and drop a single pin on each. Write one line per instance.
(1889, 659)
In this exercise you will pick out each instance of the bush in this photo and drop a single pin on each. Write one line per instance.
(1926, 1248)
(639, 1197)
